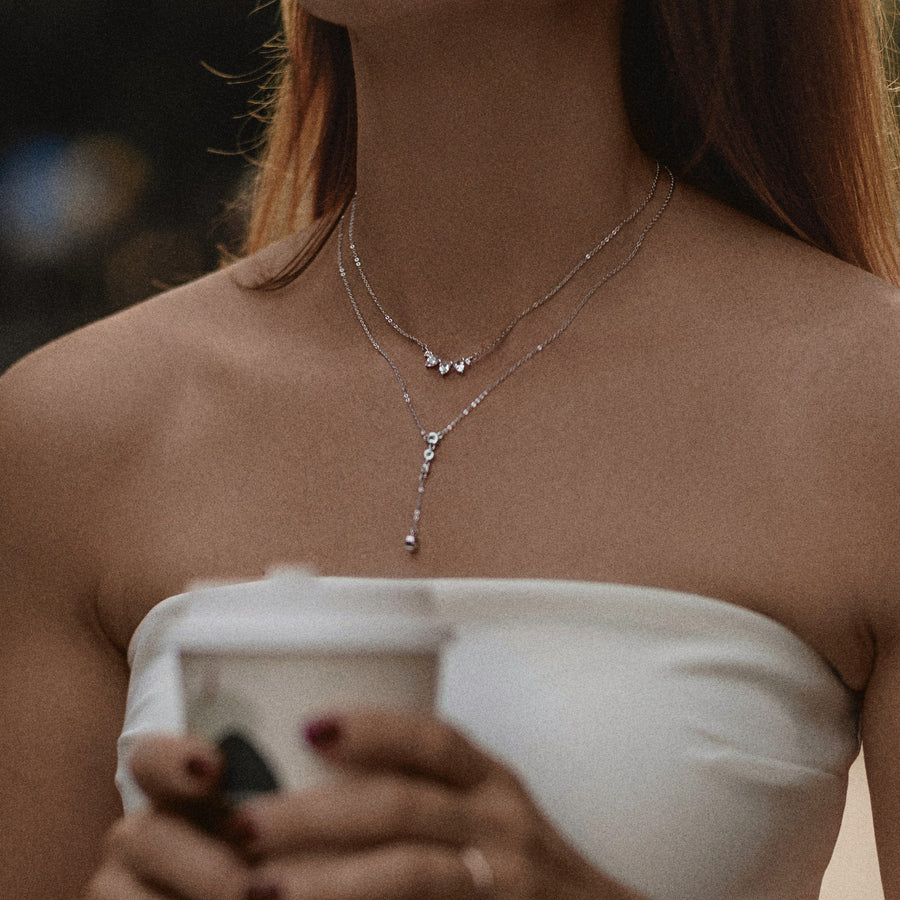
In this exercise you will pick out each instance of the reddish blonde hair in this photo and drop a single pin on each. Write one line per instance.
(780, 108)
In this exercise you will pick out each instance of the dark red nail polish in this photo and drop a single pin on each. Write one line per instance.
(263, 892)
(323, 734)
(198, 767)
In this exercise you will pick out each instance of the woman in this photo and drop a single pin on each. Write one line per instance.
(715, 419)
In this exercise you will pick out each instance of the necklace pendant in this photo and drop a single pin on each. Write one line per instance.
(433, 361)
(432, 439)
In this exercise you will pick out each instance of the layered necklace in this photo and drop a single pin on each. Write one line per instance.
(460, 364)
(433, 438)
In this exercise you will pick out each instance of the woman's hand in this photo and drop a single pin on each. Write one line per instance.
(420, 813)
(168, 851)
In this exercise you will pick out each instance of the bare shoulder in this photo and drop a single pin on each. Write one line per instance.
(81, 410)
(715, 237)
(813, 344)
(75, 410)
(97, 392)
(785, 303)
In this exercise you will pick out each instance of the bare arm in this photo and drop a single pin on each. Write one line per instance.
(881, 737)
(62, 684)
(881, 710)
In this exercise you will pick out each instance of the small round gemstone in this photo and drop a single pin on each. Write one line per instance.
(412, 543)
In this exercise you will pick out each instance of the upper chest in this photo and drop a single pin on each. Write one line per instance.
(658, 471)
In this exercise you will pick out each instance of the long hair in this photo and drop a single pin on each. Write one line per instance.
(307, 170)
(779, 108)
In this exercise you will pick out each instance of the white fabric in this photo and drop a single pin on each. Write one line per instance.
(692, 749)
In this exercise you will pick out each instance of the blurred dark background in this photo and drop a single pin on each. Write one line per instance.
(119, 152)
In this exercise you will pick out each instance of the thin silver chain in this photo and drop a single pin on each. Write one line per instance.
(433, 438)
(461, 364)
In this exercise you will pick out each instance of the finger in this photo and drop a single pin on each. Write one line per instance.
(354, 813)
(411, 742)
(174, 857)
(113, 882)
(174, 768)
(393, 872)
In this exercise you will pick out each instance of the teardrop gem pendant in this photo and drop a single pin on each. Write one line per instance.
(433, 361)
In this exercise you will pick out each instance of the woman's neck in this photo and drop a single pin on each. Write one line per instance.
(492, 150)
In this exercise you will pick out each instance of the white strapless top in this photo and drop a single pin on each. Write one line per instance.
(692, 749)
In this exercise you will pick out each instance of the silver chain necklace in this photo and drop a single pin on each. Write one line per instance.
(443, 365)
(433, 438)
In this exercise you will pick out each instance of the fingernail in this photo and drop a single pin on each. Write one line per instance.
(198, 767)
(323, 734)
(263, 892)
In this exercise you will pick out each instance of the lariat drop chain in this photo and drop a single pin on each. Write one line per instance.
(433, 438)
(461, 364)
